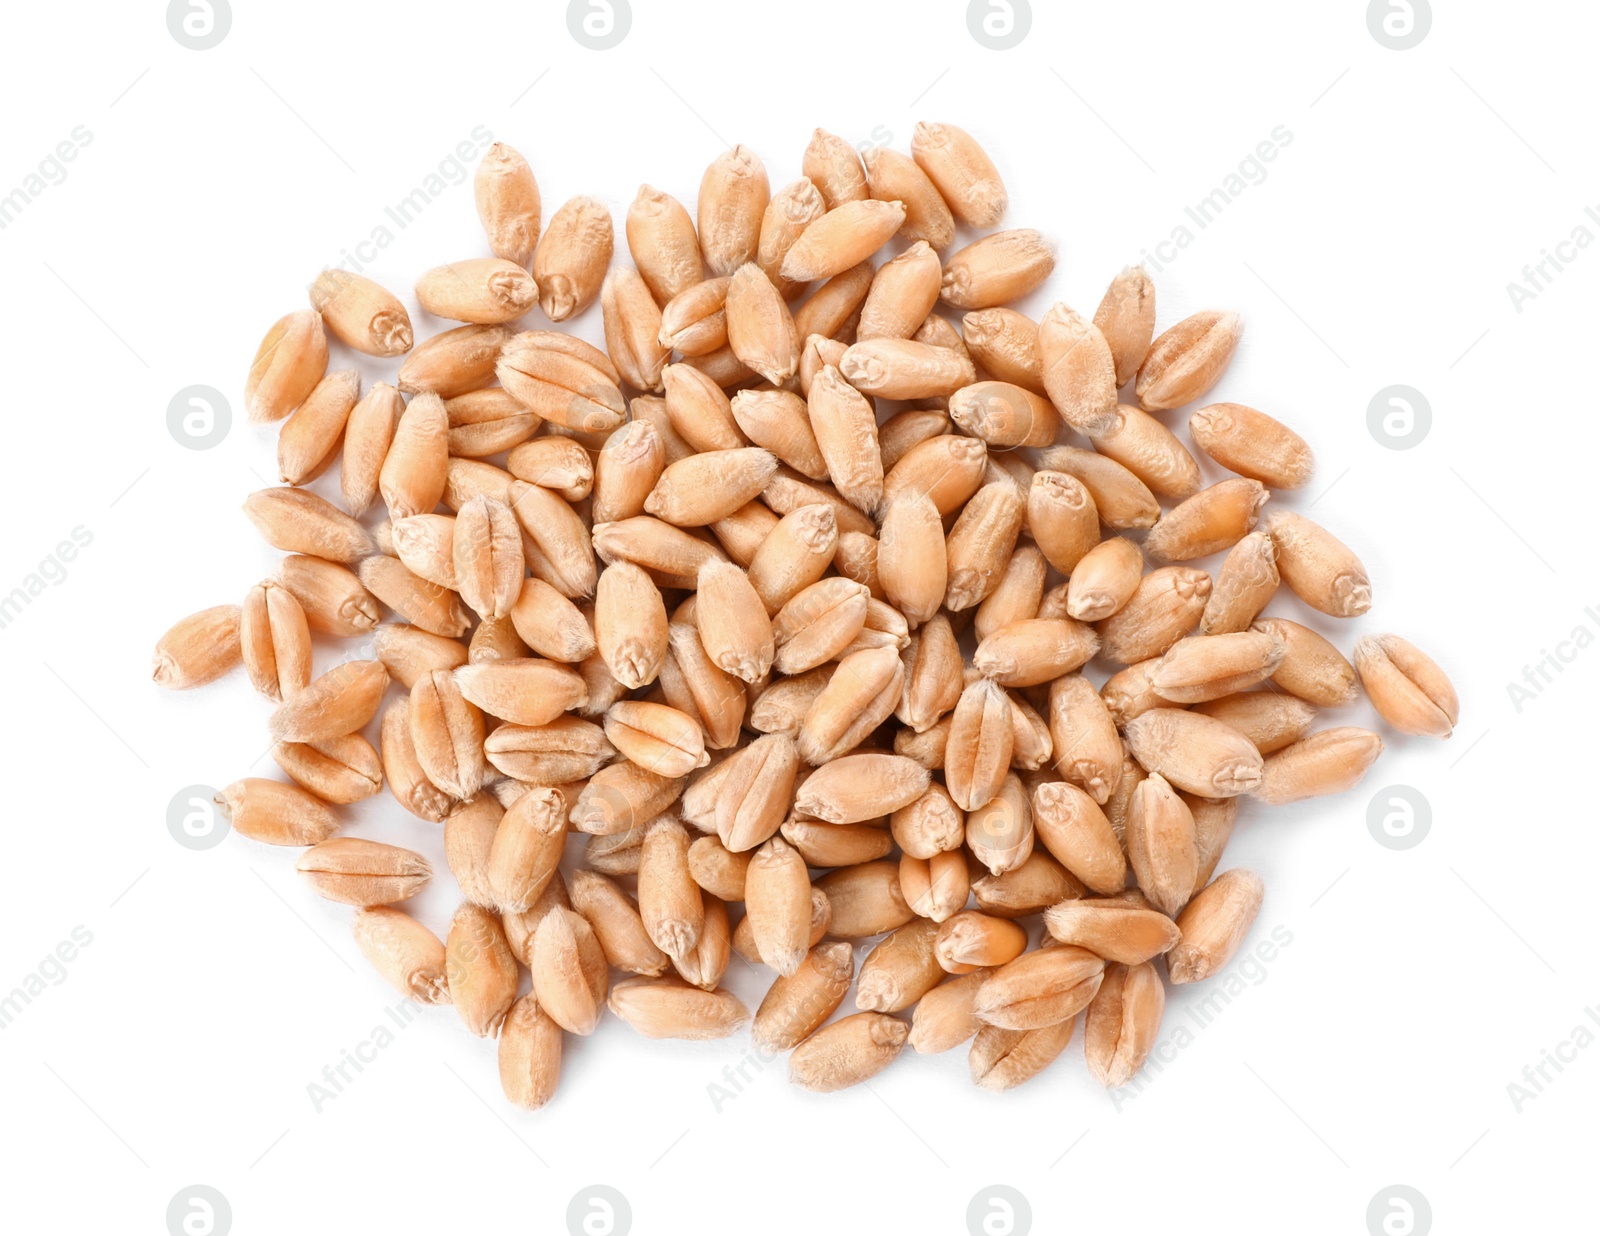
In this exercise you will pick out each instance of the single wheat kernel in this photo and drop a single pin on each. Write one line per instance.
(299, 522)
(1409, 691)
(1161, 845)
(275, 813)
(361, 313)
(1037, 884)
(570, 973)
(846, 236)
(998, 269)
(1148, 449)
(900, 969)
(633, 328)
(1211, 521)
(733, 197)
(965, 175)
(570, 262)
(1077, 371)
(848, 1052)
(483, 291)
(1327, 762)
(662, 240)
(1119, 1031)
(760, 329)
(705, 965)
(1195, 752)
(407, 782)
(487, 422)
(894, 177)
(339, 702)
(1214, 925)
(1319, 568)
(558, 464)
(1000, 834)
(337, 770)
(455, 362)
(529, 1055)
(797, 1004)
(308, 442)
(1127, 319)
(480, 970)
(1005, 415)
(980, 745)
(469, 833)
(507, 197)
(1186, 361)
(1245, 583)
(1104, 579)
(1311, 667)
(1062, 519)
(288, 365)
(944, 1017)
(673, 1009)
(199, 649)
(972, 940)
(1076, 832)
(847, 436)
(1003, 1059)
(1252, 444)
(408, 956)
(1164, 608)
(865, 900)
(832, 165)
(1208, 667)
(1017, 597)
(1005, 344)
(1041, 988)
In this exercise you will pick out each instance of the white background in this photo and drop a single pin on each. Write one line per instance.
(1377, 1048)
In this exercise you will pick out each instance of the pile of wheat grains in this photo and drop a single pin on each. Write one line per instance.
(784, 600)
